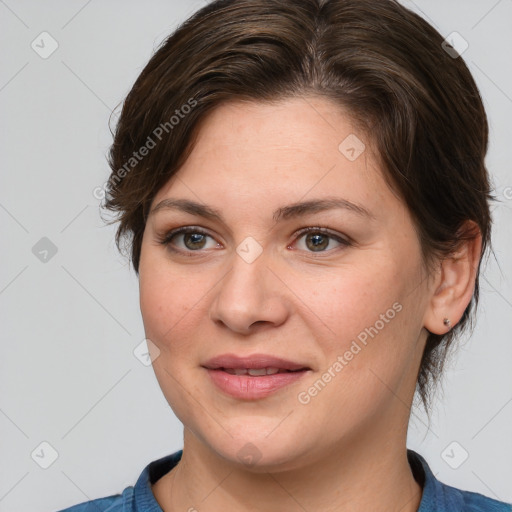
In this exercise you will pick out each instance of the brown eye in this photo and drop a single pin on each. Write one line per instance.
(319, 239)
(194, 240)
(187, 239)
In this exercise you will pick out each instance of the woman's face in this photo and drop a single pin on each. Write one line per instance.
(347, 303)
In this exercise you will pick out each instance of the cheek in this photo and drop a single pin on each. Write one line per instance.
(159, 296)
(163, 310)
(167, 303)
(171, 303)
(371, 312)
(352, 299)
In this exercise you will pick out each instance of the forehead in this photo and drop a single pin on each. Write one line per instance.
(301, 125)
(267, 152)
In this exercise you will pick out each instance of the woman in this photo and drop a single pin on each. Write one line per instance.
(304, 189)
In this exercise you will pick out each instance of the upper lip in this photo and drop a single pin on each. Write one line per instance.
(232, 361)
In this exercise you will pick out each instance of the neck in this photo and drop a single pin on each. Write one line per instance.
(363, 474)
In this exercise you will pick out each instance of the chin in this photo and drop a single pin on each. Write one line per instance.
(259, 453)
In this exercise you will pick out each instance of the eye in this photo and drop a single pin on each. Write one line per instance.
(317, 239)
(192, 239)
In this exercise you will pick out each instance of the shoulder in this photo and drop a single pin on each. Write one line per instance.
(137, 498)
(441, 497)
(114, 503)
(469, 501)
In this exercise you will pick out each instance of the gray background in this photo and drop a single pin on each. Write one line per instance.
(68, 374)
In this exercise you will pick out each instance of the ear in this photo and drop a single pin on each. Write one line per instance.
(454, 283)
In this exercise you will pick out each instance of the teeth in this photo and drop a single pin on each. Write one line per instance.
(255, 372)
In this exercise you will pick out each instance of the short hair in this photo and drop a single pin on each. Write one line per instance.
(412, 96)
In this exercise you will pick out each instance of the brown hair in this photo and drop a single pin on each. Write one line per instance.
(376, 59)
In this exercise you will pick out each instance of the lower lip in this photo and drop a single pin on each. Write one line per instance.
(252, 388)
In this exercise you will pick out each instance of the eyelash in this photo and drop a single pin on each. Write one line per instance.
(166, 239)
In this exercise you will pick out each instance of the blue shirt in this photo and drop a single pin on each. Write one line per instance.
(437, 497)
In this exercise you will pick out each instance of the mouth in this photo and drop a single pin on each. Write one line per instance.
(257, 372)
(253, 377)
(255, 364)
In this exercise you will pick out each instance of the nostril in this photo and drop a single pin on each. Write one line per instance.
(258, 322)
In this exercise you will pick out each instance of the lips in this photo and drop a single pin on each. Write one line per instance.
(228, 362)
(256, 372)
(253, 377)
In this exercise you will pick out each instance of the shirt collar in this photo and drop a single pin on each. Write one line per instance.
(434, 497)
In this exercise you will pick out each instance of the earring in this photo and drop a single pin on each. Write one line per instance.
(447, 322)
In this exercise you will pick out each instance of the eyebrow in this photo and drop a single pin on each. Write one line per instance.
(293, 210)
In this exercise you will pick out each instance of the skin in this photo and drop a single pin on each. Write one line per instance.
(345, 450)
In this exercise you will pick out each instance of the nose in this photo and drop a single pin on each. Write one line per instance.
(250, 297)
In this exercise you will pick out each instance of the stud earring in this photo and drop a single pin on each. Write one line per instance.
(447, 322)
